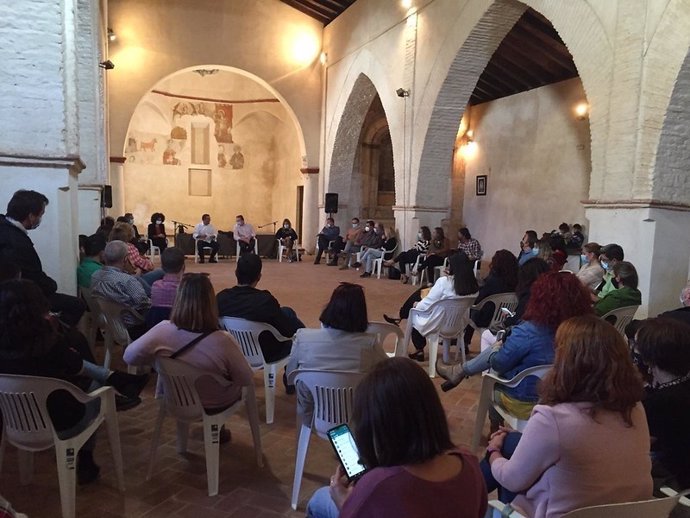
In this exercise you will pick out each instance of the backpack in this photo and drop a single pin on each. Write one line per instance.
(393, 273)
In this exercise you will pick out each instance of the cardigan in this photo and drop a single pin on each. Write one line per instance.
(619, 298)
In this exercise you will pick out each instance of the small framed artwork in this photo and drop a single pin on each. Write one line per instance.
(481, 185)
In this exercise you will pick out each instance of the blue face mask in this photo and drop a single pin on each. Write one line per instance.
(584, 259)
(605, 265)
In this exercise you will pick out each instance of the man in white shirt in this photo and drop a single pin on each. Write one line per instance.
(244, 234)
(205, 235)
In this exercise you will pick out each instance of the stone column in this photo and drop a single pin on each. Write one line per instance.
(310, 209)
(409, 219)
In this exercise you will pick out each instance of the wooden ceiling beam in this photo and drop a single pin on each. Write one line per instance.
(311, 12)
(489, 88)
(511, 68)
(536, 57)
(560, 56)
(524, 66)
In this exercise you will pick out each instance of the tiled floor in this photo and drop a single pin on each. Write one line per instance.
(178, 486)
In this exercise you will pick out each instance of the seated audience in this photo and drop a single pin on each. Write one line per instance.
(664, 347)
(555, 297)
(502, 278)
(368, 238)
(371, 254)
(439, 247)
(107, 224)
(587, 442)
(683, 313)
(626, 294)
(287, 237)
(193, 333)
(577, 237)
(206, 236)
(244, 234)
(32, 343)
(245, 301)
(527, 274)
(559, 255)
(610, 255)
(459, 282)
(24, 212)
(564, 232)
(164, 291)
(329, 233)
(348, 242)
(403, 439)
(469, 245)
(139, 263)
(591, 273)
(92, 261)
(528, 247)
(114, 284)
(410, 256)
(341, 344)
(156, 231)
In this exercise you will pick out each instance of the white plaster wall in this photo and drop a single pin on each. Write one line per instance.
(535, 154)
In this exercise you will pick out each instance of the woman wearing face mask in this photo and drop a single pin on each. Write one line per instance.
(591, 272)
(288, 237)
(626, 294)
(410, 256)
(156, 231)
(389, 242)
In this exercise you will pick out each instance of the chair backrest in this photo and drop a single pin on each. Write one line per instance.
(383, 330)
(506, 300)
(621, 317)
(655, 508)
(388, 254)
(538, 370)
(112, 315)
(333, 394)
(246, 333)
(455, 313)
(25, 415)
(179, 387)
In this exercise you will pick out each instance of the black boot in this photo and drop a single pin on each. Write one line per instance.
(87, 469)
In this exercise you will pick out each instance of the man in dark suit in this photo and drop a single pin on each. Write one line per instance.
(245, 301)
(24, 213)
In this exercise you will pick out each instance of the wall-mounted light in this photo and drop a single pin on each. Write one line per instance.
(323, 58)
(107, 65)
(111, 35)
(304, 47)
(402, 92)
(581, 111)
(406, 4)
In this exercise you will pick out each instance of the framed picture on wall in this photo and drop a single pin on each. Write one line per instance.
(481, 185)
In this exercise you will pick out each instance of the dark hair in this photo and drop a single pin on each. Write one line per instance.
(504, 264)
(107, 222)
(564, 227)
(371, 222)
(25, 202)
(9, 270)
(528, 273)
(465, 233)
(627, 273)
(205, 216)
(557, 243)
(195, 307)
(593, 248)
(24, 330)
(121, 232)
(240, 216)
(392, 434)
(347, 309)
(172, 260)
(556, 297)
(440, 235)
(122, 219)
(577, 227)
(157, 215)
(665, 343)
(592, 365)
(287, 221)
(613, 251)
(248, 269)
(355, 218)
(464, 281)
(330, 219)
(531, 237)
(94, 245)
(426, 233)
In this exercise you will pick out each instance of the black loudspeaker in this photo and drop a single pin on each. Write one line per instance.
(331, 203)
(107, 196)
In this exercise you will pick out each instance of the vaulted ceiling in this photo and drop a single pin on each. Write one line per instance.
(531, 55)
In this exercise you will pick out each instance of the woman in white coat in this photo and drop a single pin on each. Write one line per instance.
(459, 282)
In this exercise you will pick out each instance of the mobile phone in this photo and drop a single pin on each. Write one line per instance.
(345, 448)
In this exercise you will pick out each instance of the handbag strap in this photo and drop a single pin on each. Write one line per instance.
(191, 344)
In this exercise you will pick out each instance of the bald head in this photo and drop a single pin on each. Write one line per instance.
(115, 253)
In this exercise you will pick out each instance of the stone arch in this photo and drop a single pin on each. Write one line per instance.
(465, 57)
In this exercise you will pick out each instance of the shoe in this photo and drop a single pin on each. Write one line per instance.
(213, 260)
(417, 355)
(289, 389)
(317, 261)
(454, 374)
(344, 267)
(391, 320)
(365, 274)
(87, 469)
(356, 265)
(332, 263)
(404, 278)
(201, 261)
(123, 403)
(129, 385)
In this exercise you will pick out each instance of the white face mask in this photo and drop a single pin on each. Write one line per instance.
(354, 225)
(130, 221)
(535, 249)
(329, 225)
(419, 236)
(36, 224)
(240, 223)
(159, 222)
(367, 228)
(286, 226)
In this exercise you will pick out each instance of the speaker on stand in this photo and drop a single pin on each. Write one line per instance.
(331, 203)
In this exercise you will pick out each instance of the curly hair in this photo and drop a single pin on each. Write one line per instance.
(504, 264)
(556, 297)
(592, 365)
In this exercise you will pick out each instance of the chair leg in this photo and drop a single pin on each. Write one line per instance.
(3, 445)
(253, 416)
(26, 466)
(212, 450)
(270, 384)
(66, 455)
(113, 428)
(155, 440)
(302, 447)
(182, 436)
(482, 411)
(433, 354)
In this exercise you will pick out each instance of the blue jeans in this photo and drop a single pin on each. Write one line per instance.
(321, 505)
(509, 444)
(368, 258)
(481, 362)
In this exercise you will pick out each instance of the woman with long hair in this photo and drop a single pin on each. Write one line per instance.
(287, 237)
(371, 254)
(439, 247)
(591, 272)
(342, 343)
(414, 468)
(195, 315)
(587, 441)
(410, 256)
(124, 232)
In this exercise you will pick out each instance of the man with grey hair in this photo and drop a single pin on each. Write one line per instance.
(112, 283)
(682, 313)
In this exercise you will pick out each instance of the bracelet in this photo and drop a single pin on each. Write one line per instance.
(491, 450)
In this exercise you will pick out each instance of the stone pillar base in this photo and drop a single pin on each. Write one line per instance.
(409, 219)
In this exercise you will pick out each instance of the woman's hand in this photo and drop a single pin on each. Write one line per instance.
(340, 487)
(497, 438)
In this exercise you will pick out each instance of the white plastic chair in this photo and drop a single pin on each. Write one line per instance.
(28, 427)
(378, 263)
(328, 250)
(447, 320)
(414, 268)
(383, 330)
(237, 248)
(116, 330)
(246, 333)
(486, 399)
(333, 393)
(282, 249)
(181, 400)
(97, 320)
(196, 249)
(621, 317)
(506, 300)
(441, 270)
(154, 250)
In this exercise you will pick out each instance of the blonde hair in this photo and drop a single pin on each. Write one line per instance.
(195, 308)
(121, 232)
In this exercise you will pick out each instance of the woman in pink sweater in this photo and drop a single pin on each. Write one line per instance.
(587, 442)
